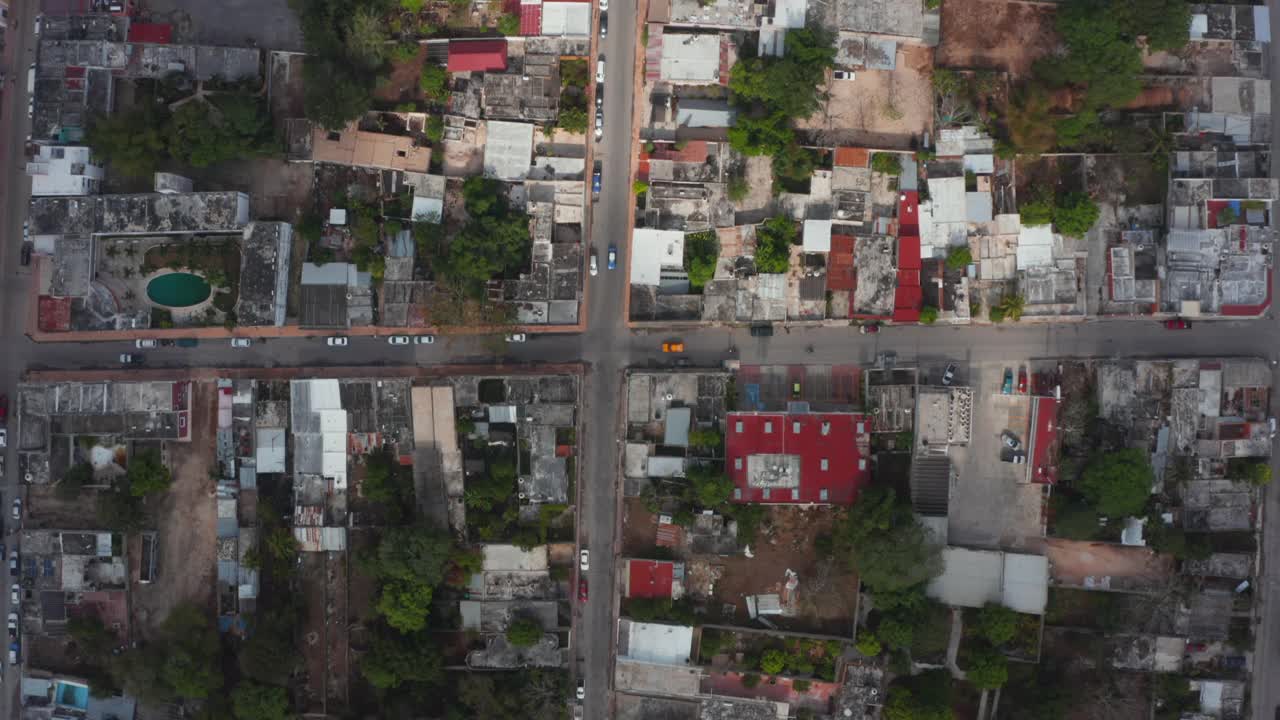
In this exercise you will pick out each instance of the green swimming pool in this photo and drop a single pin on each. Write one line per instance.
(178, 289)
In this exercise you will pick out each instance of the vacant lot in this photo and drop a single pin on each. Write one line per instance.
(1126, 179)
(1057, 174)
(268, 24)
(186, 520)
(879, 108)
(996, 35)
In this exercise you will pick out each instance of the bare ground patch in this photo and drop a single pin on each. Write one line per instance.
(1006, 35)
(879, 108)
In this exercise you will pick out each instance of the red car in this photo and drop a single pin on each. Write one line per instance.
(582, 589)
(4, 409)
(1022, 382)
(1178, 324)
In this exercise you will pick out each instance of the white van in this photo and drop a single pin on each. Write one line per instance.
(599, 71)
(31, 78)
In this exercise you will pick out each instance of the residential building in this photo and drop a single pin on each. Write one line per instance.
(68, 170)
(798, 457)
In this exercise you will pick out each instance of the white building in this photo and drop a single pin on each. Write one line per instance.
(64, 171)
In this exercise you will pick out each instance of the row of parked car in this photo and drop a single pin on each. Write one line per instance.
(15, 594)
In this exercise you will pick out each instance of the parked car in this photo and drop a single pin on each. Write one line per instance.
(1010, 440)
(13, 626)
(26, 253)
(1022, 381)
(13, 653)
(17, 508)
(613, 258)
(673, 346)
(517, 337)
(1271, 422)
(582, 689)
(4, 438)
(1007, 388)
(594, 266)
(398, 340)
(336, 341)
(13, 563)
(584, 559)
(841, 75)
(595, 180)
(604, 24)
(4, 409)
(582, 589)
(423, 339)
(599, 67)
(599, 124)
(949, 375)
(241, 342)
(15, 595)
(1177, 324)
(146, 344)
(869, 328)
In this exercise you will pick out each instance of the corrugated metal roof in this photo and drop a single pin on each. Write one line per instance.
(676, 429)
(1026, 583)
(270, 453)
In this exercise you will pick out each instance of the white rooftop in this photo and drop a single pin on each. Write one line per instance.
(817, 236)
(690, 58)
(59, 171)
(973, 578)
(429, 209)
(655, 643)
(511, 557)
(566, 18)
(508, 150)
(652, 250)
(790, 13)
(1035, 246)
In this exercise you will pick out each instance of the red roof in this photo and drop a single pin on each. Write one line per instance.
(649, 578)
(531, 19)
(54, 314)
(852, 157)
(831, 448)
(909, 212)
(477, 55)
(151, 33)
(1044, 440)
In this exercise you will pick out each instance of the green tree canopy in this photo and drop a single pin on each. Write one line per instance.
(410, 561)
(132, 143)
(895, 633)
(701, 251)
(335, 93)
(869, 645)
(926, 696)
(996, 623)
(394, 660)
(1075, 213)
(887, 163)
(253, 701)
(773, 662)
(789, 84)
(885, 544)
(1101, 53)
(1118, 483)
(147, 473)
(774, 239)
(434, 82)
(495, 240)
(524, 631)
(928, 314)
(573, 119)
(762, 134)
(1037, 212)
(988, 669)
(959, 258)
(711, 488)
(118, 509)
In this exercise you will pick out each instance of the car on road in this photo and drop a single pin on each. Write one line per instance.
(423, 339)
(337, 341)
(599, 124)
(398, 340)
(594, 265)
(131, 359)
(13, 626)
(13, 563)
(582, 689)
(761, 330)
(241, 342)
(1177, 324)
(17, 509)
(26, 253)
(15, 596)
(604, 5)
(869, 328)
(38, 25)
(604, 24)
(4, 409)
(146, 344)
(949, 374)
(673, 346)
(582, 589)
(613, 258)
(13, 653)
(599, 71)
(4, 438)
(1007, 387)
(517, 337)
(584, 559)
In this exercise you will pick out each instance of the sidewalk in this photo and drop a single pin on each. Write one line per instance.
(290, 373)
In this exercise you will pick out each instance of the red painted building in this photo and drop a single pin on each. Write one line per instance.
(1043, 465)
(159, 33)
(908, 298)
(798, 458)
(477, 55)
(649, 578)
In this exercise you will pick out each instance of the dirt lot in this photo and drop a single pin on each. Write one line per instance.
(286, 87)
(827, 593)
(46, 510)
(880, 108)
(970, 26)
(325, 631)
(186, 519)
(1126, 179)
(278, 190)
(402, 85)
(638, 528)
(1059, 174)
(1076, 562)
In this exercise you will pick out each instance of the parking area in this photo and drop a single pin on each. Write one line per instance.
(992, 504)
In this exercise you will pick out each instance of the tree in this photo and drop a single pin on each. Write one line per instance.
(639, 187)
(988, 669)
(188, 653)
(762, 134)
(996, 623)
(1165, 23)
(869, 645)
(885, 544)
(738, 187)
(926, 696)
(524, 632)
(573, 119)
(1030, 129)
(494, 241)
(334, 93)
(928, 314)
(701, 251)
(711, 489)
(789, 84)
(1075, 213)
(1101, 55)
(1075, 521)
(1118, 483)
(366, 39)
(434, 82)
(131, 143)
(268, 654)
(887, 163)
(708, 438)
(252, 701)
(118, 509)
(959, 258)
(1037, 212)
(773, 244)
(147, 473)
(394, 659)
(1011, 306)
(409, 562)
(750, 680)
(895, 633)
(509, 24)
(773, 662)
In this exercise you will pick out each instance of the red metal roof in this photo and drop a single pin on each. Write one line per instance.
(649, 578)
(841, 274)
(909, 212)
(531, 19)
(1044, 440)
(840, 441)
(151, 33)
(852, 157)
(54, 314)
(477, 55)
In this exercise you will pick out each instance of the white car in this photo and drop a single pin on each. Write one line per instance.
(145, 344)
(241, 342)
(595, 266)
(17, 515)
(337, 341)
(398, 340)
(584, 560)
(517, 337)
(599, 71)
(582, 688)
(424, 339)
(604, 5)
(15, 595)
(599, 125)
(4, 438)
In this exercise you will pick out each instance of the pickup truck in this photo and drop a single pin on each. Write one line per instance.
(186, 342)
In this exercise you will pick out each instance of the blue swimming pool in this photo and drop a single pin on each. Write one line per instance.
(76, 696)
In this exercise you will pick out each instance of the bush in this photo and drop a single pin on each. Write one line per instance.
(738, 188)
(509, 24)
(701, 251)
(1036, 212)
(434, 82)
(772, 662)
(1075, 213)
(928, 314)
(988, 669)
(996, 623)
(524, 632)
(773, 244)
(1118, 484)
(869, 645)
(959, 258)
(895, 633)
(639, 187)
(887, 163)
(750, 680)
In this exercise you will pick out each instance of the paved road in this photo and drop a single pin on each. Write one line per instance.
(14, 190)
